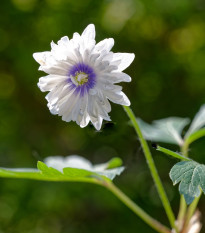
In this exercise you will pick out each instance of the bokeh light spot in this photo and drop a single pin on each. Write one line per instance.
(24, 5)
(117, 13)
(151, 27)
(187, 39)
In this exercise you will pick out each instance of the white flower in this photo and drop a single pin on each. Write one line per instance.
(76, 161)
(82, 76)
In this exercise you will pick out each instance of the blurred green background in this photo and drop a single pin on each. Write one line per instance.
(168, 39)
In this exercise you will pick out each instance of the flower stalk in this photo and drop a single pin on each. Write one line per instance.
(136, 209)
(152, 168)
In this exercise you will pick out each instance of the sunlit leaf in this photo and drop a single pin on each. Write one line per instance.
(191, 176)
(70, 168)
(166, 130)
(198, 121)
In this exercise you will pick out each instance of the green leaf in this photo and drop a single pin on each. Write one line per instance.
(198, 122)
(76, 172)
(20, 173)
(70, 168)
(47, 174)
(166, 130)
(172, 153)
(196, 135)
(191, 176)
(113, 163)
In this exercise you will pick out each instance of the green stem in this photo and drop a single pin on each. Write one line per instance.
(185, 148)
(183, 205)
(172, 153)
(152, 168)
(182, 210)
(191, 210)
(136, 209)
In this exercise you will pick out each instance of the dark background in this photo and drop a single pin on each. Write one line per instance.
(168, 79)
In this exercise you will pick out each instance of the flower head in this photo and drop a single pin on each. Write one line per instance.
(82, 76)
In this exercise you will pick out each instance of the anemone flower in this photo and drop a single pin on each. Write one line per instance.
(82, 77)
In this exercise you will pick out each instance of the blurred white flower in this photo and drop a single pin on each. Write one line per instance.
(194, 225)
(82, 76)
(76, 161)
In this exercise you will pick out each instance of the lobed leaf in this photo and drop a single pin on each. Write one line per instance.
(191, 176)
(198, 122)
(166, 130)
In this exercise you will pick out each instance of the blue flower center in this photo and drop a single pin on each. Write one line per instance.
(82, 78)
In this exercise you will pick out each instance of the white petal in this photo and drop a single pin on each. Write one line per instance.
(105, 67)
(42, 58)
(53, 96)
(76, 37)
(97, 122)
(108, 57)
(64, 50)
(93, 58)
(89, 32)
(56, 70)
(101, 98)
(57, 99)
(102, 113)
(107, 105)
(98, 106)
(110, 87)
(77, 110)
(83, 117)
(63, 41)
(105, 44)
(118, 98)
(120, 77)
(49, 82)
(104, 102)
(115, 77)
(125, 58)
(92, 109)
(67, 110)
(83, 122)
(50, 65)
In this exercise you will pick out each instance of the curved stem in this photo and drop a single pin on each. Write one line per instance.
(136, 209)
(152, 168)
